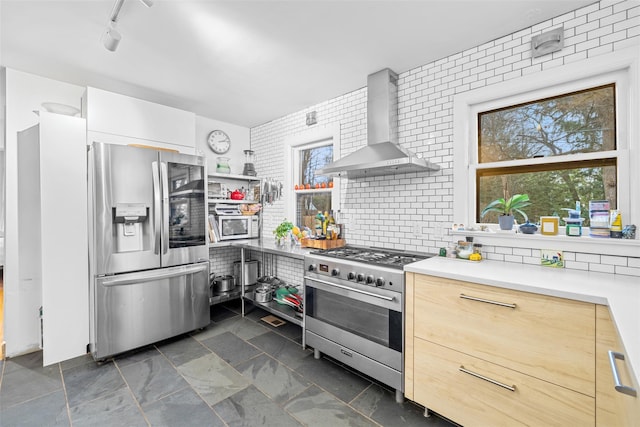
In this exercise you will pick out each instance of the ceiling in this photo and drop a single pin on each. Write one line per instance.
(249, 62)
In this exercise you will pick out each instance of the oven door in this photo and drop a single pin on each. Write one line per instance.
(366, 319)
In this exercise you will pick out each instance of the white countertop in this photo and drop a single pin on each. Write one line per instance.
(621, 293)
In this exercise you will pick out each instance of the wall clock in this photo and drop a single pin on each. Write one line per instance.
(219, 141)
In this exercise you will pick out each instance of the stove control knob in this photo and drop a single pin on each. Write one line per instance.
(370, 279)
(335, 272)
(360, 277)
(312, 267)
(380, 281)
(351, 275)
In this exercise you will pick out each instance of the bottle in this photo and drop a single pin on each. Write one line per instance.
(318, 224)
(331, 227)
(325, 222)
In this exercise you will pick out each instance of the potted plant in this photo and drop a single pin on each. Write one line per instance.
(506, 208)
(283, 231)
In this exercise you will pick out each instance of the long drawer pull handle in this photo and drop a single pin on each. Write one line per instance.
(482, 377)
(625, 389)
(488, 301)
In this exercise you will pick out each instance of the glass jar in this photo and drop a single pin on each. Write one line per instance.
(222, 165)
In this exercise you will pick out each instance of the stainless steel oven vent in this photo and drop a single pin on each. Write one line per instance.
(382, 155)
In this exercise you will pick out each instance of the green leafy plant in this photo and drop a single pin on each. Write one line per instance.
(507, 207)
(283, 229)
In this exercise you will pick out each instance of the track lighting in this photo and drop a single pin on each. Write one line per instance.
(111, 37)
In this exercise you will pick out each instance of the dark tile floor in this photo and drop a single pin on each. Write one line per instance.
(236, 372)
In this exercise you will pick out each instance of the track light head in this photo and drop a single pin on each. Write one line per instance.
(111, 37)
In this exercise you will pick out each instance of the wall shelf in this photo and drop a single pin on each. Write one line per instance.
(233, 176)
(284, 311)
(232, 201)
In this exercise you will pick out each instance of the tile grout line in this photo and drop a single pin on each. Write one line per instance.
(66, 397)
(187, 381)
(347, 404)
(144, 415)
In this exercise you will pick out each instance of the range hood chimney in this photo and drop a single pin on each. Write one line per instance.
(382, 155)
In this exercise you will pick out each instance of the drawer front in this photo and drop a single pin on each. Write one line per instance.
(548, 338)
(471, 399)
(613, 408)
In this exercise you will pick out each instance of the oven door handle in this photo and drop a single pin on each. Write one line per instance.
(371, 294)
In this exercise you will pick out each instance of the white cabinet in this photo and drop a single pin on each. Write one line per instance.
(52, 230)
(119, 115)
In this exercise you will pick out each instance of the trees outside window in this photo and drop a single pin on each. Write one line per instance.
(557, 150)
(310, 202)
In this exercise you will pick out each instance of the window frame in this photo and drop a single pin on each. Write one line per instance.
(327, 135)
(620, 68)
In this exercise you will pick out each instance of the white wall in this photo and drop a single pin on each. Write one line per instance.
(3, 96)
(415, 211)
(239, 136)
(24, 93)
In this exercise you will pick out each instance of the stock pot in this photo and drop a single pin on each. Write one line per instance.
(222, 283)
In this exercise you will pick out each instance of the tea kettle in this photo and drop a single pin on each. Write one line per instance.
(237, 195)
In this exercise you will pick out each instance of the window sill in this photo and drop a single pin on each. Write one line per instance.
(313, 191)
(586, 244)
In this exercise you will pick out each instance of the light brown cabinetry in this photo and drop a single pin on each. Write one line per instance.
(459, 386)
(483, 355)
(613, 408)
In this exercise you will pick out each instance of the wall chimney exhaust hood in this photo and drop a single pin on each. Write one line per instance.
(382, 155)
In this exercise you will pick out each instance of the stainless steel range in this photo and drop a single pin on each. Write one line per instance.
(354, 305)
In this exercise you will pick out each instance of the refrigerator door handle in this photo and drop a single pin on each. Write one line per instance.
(164, 176)
(129, 279)
(157, 220)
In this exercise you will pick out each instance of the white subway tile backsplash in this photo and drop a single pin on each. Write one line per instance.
(523, 252)
(504, 250)
(602, 13)
(591, 258)
(613, 260)
(585, 11)
(625, 5)
(513, 258)
(424, 201)
(573, 265)
(586, 28)
(628, 271)
(613, 19)
(607, 48)
(494, 257)
(600, 32)
(602, 268)
(615, 37)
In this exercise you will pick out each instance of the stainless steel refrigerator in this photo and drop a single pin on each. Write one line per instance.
(148, 248)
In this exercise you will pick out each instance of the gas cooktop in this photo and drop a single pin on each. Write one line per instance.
(376, 256)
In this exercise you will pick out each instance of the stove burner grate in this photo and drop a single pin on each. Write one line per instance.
(373, 256)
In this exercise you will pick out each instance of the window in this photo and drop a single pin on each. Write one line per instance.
(316, 195)
(563, 135)
(559, 128)
(306, 153)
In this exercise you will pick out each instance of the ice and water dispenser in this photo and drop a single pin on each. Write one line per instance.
(130, 220)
